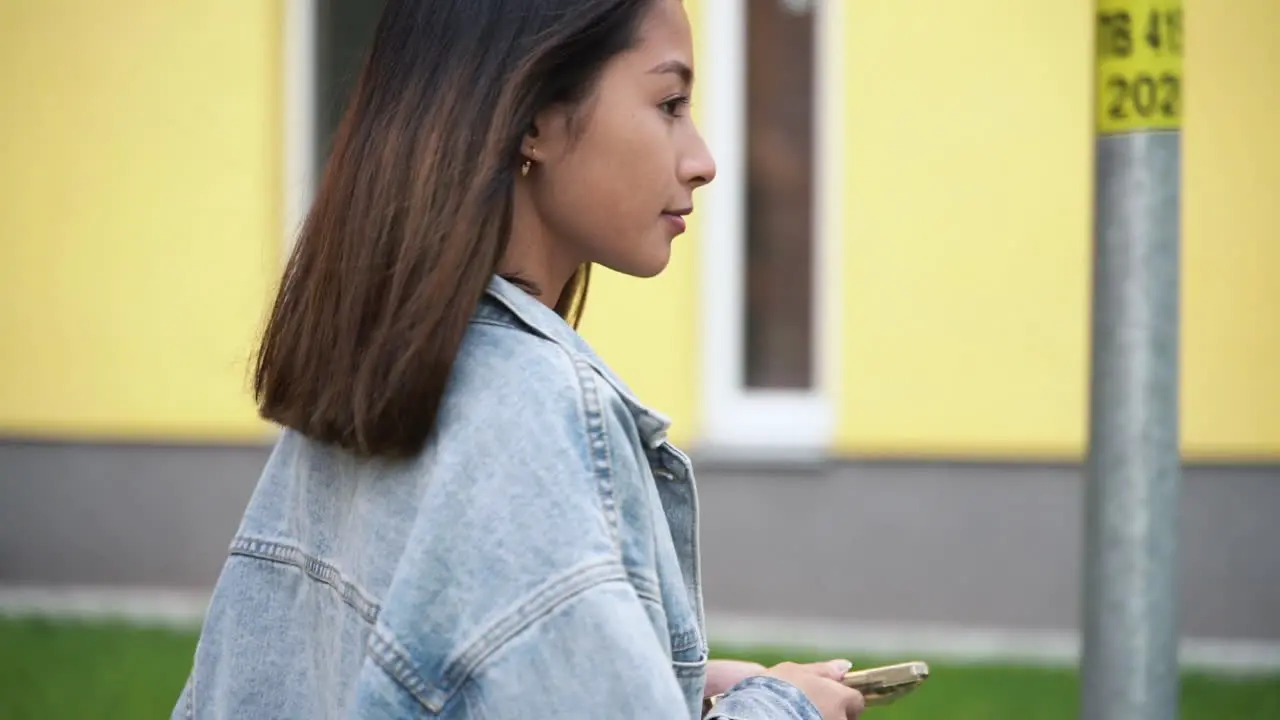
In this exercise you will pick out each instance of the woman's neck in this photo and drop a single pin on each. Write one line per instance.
(536, 259)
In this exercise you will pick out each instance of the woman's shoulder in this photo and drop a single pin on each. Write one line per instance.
(520, 380)
(527, 409)
(533, 372)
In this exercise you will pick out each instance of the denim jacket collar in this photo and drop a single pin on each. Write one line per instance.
(507, 304)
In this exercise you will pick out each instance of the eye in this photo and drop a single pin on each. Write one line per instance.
(676, 106)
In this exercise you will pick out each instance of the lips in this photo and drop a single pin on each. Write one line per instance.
(676, 218)
(676, 221)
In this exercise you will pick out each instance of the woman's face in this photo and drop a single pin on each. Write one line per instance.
(616, 188)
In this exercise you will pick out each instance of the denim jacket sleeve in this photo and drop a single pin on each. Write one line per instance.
(523, 589)
(596, 657)
(764, 697)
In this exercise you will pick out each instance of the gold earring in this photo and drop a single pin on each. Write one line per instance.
(524, 168)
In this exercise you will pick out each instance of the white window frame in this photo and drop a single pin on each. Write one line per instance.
(736, 419)
(300, 131)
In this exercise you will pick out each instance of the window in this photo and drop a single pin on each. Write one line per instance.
(769, 250)
(344, 32)
(778, 145)
(325, 43)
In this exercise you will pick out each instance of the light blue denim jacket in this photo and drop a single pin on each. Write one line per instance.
(538, 560)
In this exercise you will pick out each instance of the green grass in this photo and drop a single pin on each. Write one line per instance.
(996, 692)
(68, 671)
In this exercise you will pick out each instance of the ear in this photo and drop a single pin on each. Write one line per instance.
(529, 145)
(547, 137)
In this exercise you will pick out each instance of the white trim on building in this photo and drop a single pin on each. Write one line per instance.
(968, 645)
(299, 117)
(150, 607)
(738, 419)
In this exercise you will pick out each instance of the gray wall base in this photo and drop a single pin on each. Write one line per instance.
(884, 544)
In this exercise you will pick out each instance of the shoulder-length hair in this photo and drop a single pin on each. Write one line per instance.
(414, 209)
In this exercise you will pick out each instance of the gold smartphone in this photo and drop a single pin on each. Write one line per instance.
(883, 685)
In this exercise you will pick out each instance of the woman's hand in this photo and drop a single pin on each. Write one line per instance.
(820, 683)
(724, 674)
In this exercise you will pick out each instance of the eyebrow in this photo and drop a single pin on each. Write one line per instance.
(674, 67)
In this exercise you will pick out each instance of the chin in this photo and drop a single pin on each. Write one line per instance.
(644, 257)
(651, 265)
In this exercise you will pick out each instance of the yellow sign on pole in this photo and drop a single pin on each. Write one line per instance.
(1139, 66)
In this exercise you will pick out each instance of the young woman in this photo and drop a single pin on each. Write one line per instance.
(467, 515)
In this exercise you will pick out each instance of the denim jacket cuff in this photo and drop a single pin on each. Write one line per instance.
(764, 698)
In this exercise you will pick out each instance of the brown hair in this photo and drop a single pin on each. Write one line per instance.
(413, 211)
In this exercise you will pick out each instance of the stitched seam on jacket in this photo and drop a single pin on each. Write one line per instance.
(597, 430)
(686, 640)
(396, 661)
(598, 445)
(313, 567)
(646, 587)
(507, 326)
(538, 605)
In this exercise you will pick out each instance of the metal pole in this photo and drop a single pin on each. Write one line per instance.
(1129, 663)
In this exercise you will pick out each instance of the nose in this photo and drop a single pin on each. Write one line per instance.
(697, 167)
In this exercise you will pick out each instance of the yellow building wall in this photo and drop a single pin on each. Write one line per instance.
(140, 237)
(140, 221)
(1231, 345)
(140, 234)
(645, 331)
(968, 220)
